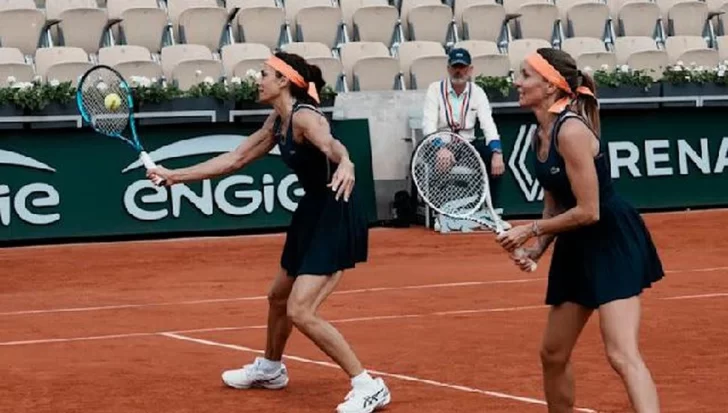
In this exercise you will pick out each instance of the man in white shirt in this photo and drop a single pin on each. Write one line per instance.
(454, 104)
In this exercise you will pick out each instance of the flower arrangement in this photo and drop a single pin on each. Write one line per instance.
(36, 95)
(680, 74)
(619, 76)
(500, 84)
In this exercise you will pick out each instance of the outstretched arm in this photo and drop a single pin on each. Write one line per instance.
(315, 128)
(257, 145)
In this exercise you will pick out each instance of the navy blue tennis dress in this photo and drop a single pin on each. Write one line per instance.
(325, 235)
(612, 259)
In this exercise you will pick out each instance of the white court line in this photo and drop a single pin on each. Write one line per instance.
(710, 269)
(342, 292)
(690, 297)
(263, 297)
(375, 372)
(216, 329)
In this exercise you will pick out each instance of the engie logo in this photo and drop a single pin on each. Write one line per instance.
(152, 204)
(528, 184)
(39, 195)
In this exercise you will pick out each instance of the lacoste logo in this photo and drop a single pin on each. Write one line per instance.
(208, 144)
(14, 158)
(529, 186)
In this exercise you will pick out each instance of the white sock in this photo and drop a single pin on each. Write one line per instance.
(269, 366)
(363, 379)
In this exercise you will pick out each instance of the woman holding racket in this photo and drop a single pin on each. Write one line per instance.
(327, 235)
(603, 255)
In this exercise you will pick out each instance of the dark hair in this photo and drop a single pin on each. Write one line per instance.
(584, 105)
(310, 73)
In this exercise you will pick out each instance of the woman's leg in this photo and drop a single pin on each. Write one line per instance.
(268, 372)
(279, 325)
(309, 291)
(565, 323)
(620, 322)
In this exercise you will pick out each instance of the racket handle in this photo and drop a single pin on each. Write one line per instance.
(149, 164)
(532, 265)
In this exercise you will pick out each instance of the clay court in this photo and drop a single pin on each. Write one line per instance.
(447, 319)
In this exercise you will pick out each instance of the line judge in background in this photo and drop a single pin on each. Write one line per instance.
(454, 104)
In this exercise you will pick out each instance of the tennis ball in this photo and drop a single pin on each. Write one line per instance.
(112, 101)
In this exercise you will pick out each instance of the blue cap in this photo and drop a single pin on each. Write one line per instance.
(458, 56)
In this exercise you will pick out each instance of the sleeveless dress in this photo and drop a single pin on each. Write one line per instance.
(325, 235)
(611, 259)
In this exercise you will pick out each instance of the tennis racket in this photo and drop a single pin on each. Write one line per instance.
(94, 88)
(456, 185)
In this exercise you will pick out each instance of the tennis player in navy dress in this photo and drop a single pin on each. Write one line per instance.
(603, 256)
(328, 233)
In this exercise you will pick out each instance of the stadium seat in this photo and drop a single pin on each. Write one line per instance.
(259, 21)
(65, 64)
(369, 66)
(684, 17)
(512, 6)
(318, 54)
(479, 21)
(589, 52)
(427, 69)
(83, 24)
(491, 65)
(318, 21)
(238, 58)
(487, 58)
(426, 20)
(537, 21)
(635, 17)
(410, 52)
(21, 25)
(190, 64)
(518, 49)
(689, 50)
(200, 22)
(143, 23)
(12, 63)
(722, 43)
(370, 20)
(720, 21)
(131, 60)
(641, 53)
(584, 19)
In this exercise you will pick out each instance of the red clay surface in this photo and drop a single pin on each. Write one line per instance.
(456, 324)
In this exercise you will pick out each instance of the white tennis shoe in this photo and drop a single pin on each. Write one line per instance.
(366, 398)
(254, 376)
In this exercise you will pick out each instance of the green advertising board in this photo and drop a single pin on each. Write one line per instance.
(666, 159)
(67, 183)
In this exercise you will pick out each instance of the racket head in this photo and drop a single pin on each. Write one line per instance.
(93, 88)
(456, 188)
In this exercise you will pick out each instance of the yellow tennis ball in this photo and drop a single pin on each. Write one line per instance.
(112, 101)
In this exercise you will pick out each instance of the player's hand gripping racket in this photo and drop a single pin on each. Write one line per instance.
(452, 179)
(105, 101)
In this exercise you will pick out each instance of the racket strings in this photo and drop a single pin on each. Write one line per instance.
(96, 87)
(454, 187)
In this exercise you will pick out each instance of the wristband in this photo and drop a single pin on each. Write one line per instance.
(495, 145)
(438, 142)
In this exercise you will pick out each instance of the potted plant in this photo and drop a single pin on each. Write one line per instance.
(695, 81)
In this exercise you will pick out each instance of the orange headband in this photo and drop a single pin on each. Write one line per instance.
(545, 69)
(286, 70)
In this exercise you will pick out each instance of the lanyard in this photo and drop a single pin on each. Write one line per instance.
(455, 126)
